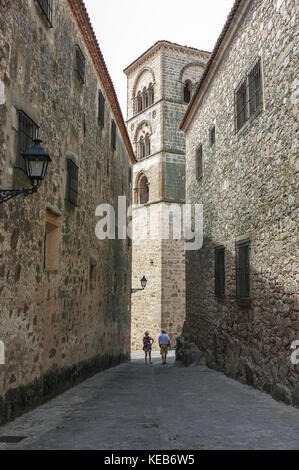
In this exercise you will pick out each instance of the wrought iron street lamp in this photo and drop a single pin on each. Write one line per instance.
(36, 165)
(143, 282)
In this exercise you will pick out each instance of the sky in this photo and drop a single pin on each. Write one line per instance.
(127, 28)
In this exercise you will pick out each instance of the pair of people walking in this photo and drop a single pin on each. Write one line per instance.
(164, 344)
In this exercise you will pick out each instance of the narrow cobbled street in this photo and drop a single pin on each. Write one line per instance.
(137, 406)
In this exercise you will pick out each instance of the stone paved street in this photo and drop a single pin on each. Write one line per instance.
(133, 406)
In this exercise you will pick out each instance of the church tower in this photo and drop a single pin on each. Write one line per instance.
(160, 86)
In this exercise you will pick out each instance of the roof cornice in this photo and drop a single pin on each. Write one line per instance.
(158, 45)
(234, 19)
(81, 15)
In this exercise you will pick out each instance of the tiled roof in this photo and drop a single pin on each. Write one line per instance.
(157, 46)
(80, 13)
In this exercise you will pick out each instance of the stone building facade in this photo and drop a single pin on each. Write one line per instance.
(160, 84)
(64, 294)
(242, 299)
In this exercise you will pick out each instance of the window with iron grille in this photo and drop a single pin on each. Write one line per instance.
(248, 96)
(113, 134)
(101, 115)
(243, 270)
(79, 63)
(72, 182)
(212, 135)
(199, 163)
(219, 255)
(27, 132)
(46, 7)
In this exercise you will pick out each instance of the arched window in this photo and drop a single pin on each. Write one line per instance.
(187, 91)
(145, 98)
(139, 102)
(141, 148)
(143, 190)
(147, 145)
(150, 94)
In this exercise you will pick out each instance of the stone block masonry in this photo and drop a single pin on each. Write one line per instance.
(248, 191)
(167, 66)
(64, 294)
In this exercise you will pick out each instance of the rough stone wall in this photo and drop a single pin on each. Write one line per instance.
(162, 261)
(146, 260)
(57, 325)
(180, 65)
(249, 189)
(162, 304)
(173, 167)
(173, 288)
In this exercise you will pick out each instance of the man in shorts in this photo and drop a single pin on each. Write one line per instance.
(164, 343)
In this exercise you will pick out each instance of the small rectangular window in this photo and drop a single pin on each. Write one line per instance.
(243, 270)
(80, 63)
(84, 124)
(101, 110)
(113, 134)
(27, 132)
(46, 7)
(212, 135)
(52, 242)
(219, 271)
(199, 163)
(92, 276)
(72, 182)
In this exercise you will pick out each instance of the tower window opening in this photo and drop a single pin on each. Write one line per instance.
(143, 190)
(187, 91)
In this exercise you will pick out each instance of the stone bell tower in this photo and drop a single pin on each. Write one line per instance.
(160, 85)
